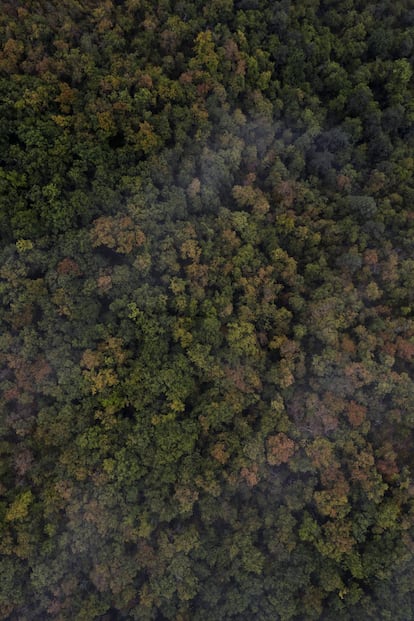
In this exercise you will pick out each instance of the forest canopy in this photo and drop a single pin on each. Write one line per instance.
(207, 310)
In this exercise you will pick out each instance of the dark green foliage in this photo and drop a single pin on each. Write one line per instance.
(207, 331)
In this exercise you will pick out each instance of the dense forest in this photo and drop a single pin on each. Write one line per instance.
(207, 310)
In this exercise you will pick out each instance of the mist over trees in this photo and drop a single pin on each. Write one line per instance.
(207, 310)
